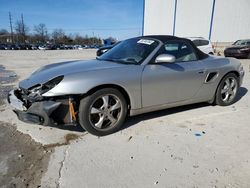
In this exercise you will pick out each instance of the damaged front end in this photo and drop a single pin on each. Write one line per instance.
(32, 107)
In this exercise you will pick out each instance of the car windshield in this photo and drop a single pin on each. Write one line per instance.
(131, 51)
(242, 42)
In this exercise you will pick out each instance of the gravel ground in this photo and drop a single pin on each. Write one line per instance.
(22, 160)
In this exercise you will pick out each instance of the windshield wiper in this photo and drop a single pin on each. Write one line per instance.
(122, 61)
(127, 61)
(131, 60)
(112, 60)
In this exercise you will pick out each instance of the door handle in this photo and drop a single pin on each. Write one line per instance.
(201, 72)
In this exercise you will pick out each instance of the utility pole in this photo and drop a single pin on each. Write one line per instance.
(93, 40)
(23, 32)
(11, 28)
(211, 21)
(175, 12)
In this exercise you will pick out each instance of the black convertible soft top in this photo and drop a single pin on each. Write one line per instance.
(167, 38)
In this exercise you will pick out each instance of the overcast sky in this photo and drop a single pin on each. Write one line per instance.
(118, 18)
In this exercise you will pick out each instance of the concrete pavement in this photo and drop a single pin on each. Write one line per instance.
(191, 146)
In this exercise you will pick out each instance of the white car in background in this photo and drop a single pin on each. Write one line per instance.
(81, 47)
(203, 44)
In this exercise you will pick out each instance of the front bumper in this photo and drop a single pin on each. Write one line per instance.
(38, 112)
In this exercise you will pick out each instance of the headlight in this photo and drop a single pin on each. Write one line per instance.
(103, 51)
(43, 88)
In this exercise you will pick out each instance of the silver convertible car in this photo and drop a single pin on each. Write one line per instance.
(138, 75)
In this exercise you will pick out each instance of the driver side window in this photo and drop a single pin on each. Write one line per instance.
(182, 51)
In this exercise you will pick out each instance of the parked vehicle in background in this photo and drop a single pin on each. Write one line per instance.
(136, 76)
(3, 47)
(239, 49)
(17, 47)
(55, 47)
(46, 46)
(13, 47)
(203, 44)
(43, 47)
(68, 47)
(34, 47)
(81, 47)
(25, 47)
(104, 49)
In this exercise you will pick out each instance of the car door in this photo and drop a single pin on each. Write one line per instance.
(172, 82)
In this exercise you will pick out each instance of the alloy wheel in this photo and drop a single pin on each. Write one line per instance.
(105, 111)
(229, 89)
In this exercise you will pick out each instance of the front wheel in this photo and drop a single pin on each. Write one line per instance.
(227, 90)
(103, 112)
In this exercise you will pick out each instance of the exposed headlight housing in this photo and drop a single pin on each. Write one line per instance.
(43, 88)
(104, 50)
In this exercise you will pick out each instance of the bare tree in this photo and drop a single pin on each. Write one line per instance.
(58, 36)
(41, 32)
(21, 30)
(79, 39)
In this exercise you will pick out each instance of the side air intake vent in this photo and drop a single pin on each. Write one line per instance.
(211, 76)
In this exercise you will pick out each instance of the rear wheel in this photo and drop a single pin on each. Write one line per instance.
(227, 90)
(103, 112)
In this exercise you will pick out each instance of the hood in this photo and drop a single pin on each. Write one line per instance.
(48, 72)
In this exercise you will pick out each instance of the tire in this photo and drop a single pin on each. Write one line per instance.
(103, 112)
(227, 90)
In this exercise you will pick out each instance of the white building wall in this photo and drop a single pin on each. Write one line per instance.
(158, 17)
(193, 18)
(231, 18)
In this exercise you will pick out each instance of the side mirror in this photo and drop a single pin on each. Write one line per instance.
(165, 58)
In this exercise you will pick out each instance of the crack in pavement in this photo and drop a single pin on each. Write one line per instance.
(61, 166)
(68, 138)
(65, 145)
